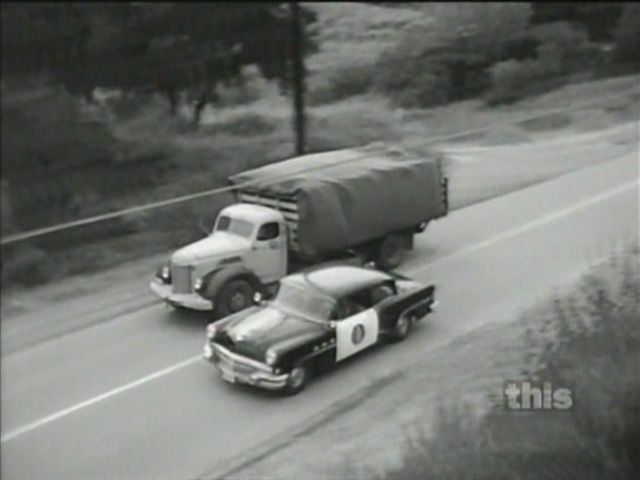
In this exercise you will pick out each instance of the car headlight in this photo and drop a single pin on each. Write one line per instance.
(197, 284)
(271, 357)
(211, 331)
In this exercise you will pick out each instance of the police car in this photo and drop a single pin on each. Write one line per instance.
(315, 320)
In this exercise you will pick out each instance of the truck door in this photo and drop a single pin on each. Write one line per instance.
(268, 255)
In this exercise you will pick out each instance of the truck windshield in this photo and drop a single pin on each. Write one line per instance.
(308, 304)
(235, 226)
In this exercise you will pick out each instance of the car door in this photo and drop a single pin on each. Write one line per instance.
(355, 332)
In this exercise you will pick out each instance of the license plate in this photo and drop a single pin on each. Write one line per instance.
(229, 377)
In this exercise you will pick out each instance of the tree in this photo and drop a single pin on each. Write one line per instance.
(170, 47)
(446, 55)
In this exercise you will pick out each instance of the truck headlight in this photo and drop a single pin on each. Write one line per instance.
(211, 331)
(271, 357)
(257, 298)
(164, 273)
(197, 284)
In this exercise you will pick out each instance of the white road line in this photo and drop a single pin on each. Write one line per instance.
(485, 243)
(116, 391)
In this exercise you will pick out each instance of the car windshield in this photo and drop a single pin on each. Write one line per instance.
(305, 302)
(236, 226)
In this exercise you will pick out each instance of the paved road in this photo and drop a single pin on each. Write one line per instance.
(132, 398)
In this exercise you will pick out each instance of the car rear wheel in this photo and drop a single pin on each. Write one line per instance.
(233, 297)
(298, 379)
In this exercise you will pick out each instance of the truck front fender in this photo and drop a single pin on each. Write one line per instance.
(213, 281)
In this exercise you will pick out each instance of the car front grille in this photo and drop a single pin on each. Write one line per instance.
(237, 364)
(181, 279)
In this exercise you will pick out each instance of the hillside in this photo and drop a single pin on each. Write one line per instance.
(67, 159)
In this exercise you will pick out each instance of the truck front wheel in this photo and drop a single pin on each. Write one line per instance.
(234, 296)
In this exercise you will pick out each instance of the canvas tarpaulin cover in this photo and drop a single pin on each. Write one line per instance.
(351, 196)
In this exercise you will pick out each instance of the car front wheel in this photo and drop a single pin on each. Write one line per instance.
(298, 379)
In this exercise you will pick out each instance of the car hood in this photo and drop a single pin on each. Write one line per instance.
(220, 244)
(269, 327)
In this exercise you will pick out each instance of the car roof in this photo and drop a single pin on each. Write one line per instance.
(342, 280)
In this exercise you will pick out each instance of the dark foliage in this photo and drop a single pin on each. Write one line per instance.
(598, 18)
(627, 35)
(168, 46)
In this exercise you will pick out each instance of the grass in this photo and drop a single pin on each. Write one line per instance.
(589, 342)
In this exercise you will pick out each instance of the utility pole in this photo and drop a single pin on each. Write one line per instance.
(297, 39)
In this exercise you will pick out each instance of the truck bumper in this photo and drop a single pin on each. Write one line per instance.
(187, 300)
(234, 369)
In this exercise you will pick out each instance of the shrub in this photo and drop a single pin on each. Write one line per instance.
(351, 124)
(627, 35)
(513, 80)
(244, 125)
(423, 83)
(343, 82)
(251, 86)
(520, 48)
(591, 344)
(562, 50)
(26, 266)
(445, 57)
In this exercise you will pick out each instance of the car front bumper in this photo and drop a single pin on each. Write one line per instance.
(187, 300)
(238, 369)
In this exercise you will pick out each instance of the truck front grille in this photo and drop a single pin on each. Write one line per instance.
(181, 279)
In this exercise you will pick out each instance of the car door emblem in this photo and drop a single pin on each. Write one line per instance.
(357, 334)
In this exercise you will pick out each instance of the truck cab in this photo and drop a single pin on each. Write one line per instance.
(246, 250)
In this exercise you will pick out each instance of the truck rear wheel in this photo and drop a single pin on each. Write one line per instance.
(391, 252)
(234, 296)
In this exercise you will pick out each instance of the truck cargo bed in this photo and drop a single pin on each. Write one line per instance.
(336, 200)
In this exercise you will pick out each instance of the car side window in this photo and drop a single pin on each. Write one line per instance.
(269, 231)
(362, 300)
(346, 308)
(380, 293)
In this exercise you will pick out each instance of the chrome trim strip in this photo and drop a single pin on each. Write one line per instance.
(320, 351)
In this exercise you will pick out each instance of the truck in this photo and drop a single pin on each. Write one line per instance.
(356, 206)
